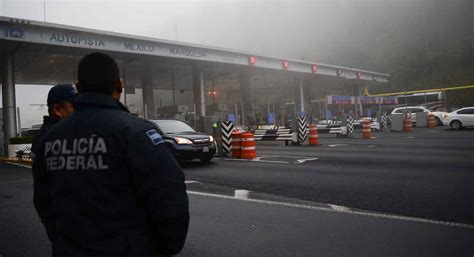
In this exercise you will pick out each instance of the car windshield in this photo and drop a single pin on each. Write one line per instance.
(173, 126)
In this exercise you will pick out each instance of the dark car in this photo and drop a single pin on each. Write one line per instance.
(184, 142)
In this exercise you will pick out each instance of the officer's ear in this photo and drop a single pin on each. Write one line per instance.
(118, 90)
(56, 111)
(119, 86)
(78, 87)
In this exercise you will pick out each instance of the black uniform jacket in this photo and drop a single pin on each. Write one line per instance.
(112, 188)
(40, 197)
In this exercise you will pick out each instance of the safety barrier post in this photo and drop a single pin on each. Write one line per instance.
(366, 130)
(313, 135)
(385, 121)
(407, 126)
(236, 144)
(431, 121)
(302, 127)
(226, 131)
(248, 150)
(350, 125)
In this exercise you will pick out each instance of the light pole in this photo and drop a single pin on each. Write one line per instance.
(44, 10)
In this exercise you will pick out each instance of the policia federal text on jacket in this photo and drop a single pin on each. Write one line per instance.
(112, 188)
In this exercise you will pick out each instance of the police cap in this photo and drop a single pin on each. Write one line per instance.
(61, 92)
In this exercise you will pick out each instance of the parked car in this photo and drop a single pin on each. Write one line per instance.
(184, 142)
(417, 109)
(460, 118)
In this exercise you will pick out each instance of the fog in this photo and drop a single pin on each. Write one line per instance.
(421, 43)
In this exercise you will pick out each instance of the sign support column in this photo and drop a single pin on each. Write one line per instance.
(8, 97)
(199, 96)
(245, 95)
(149, 108)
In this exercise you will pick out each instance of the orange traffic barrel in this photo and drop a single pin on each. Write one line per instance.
(236, 144)
(431, 121)
(366, 130)
(313, 135)
(248, 146)
(407, 127)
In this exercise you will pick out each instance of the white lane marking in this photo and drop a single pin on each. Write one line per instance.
(258, 159)
(241, 194)
(20, 165)
(351, 212)
(339, 207)
(335, 145)
(15, 181)
(373, 137)
(190, 181)
(371, 146)
(305, 160)
(232, 159)
(410, 137)
(431, 131)
(291, 157)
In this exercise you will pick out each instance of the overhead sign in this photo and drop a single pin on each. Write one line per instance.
(231, 117)
(367, 100)
(328, 114)
(341, 99)
(271, 118)
(252, 60)
(92, 40)
(14, 33)
(389, 100)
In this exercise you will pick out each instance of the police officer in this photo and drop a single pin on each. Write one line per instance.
(60, 98)
(114, 189)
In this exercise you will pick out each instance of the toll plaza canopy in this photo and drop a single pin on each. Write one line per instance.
(36, 52)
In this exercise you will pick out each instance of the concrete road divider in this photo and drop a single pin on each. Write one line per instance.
(421, 119)
(396, 123)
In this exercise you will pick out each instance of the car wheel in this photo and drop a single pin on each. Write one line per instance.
(205, 159)
(455, 124)
(438, 121)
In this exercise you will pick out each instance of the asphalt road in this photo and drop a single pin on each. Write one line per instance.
(224, 226)
(347, 197)
(428, 173)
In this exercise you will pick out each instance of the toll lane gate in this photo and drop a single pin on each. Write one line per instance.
(35, 52)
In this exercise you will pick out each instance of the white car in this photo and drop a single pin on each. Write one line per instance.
(460, 118)
(416, 109)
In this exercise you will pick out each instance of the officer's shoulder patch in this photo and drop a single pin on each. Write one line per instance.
(154, 136)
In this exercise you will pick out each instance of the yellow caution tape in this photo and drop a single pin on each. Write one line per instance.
(420, 91)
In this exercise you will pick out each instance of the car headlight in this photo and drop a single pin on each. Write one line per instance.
(211, 138)
(183, 141)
